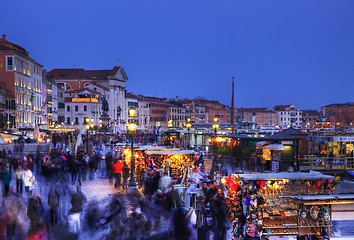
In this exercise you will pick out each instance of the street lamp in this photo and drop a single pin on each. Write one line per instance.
(87, 134)
(170, 124)
(188, 125)
(132, 128)
(215, 126)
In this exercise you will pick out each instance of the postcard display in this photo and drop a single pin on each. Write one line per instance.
(261, 207)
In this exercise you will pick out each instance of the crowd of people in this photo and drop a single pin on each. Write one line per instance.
(27, 212)
(23, 213)
(207, 202)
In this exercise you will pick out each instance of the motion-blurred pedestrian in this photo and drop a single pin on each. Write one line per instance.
(74, 217)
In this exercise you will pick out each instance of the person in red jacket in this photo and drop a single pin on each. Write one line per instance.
(117, 171)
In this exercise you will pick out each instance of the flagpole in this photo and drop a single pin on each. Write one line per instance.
(233, 109)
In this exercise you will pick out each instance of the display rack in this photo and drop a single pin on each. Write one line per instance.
(268, 203)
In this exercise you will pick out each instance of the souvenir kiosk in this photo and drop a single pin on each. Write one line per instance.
(270, 204)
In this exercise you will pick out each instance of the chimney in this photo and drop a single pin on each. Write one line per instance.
(176, 98)
(4, 37)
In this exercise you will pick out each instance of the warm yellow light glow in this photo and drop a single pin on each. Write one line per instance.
(87, 120)
(100, 125)
(223, 180)
(100, 121)
(215, 120)
(92, 125)
(188, 125)
(92, 120)
(132, 112)
(87, 127)
(219, 139)
(132, 127)
(188, 119)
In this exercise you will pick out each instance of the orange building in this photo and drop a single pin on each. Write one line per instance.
(214, 109)
(343, 113)
(21, 76)
(159, 111)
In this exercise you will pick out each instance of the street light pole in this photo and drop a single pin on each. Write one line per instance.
(87, 137)
(132, 162)
(188, 125)
(215, 126)
(132, 128)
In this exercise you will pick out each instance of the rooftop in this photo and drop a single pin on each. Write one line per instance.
(348, 104)
(281, 107)
(79, 73)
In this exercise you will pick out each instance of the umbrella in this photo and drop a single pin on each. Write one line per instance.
(277, 147)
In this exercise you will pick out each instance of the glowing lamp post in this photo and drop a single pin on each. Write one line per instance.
(132, 129)
(87, 134)
(188, 125)
(215, 126)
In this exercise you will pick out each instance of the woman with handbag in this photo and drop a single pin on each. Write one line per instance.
(29, 181)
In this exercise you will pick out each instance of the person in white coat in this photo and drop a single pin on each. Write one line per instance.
(165, 182)
(28, 181)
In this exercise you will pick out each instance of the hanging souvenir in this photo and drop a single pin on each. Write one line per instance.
(286, 181)
(337, 179)
(318, 184)
(325, 214)
(302, 213)
(261, 183)
(314, 212)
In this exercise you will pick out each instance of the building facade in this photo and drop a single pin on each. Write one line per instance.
(342, 112)
(142, 107)
(309, 118)
(61, 106)
(261, 116)
(22, 77)
(79, 105)
(288, 116)
(109, 83)
(7, 109)
(159, 112)
(177, 114)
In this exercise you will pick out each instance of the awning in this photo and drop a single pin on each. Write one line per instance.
(261, 144)
(322, 197)
(183, 152)
(285, 175)
(157, 148)
(276, 147)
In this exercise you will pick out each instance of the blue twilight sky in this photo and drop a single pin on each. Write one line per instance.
(280, 51)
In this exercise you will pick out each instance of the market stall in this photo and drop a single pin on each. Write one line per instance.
(259, 204)
(315, 212)
(173, 160)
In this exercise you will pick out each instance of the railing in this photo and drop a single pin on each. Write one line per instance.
(335, 163)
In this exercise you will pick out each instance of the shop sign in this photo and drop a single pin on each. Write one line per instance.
(287, 142)
(343, 139)
(208, 163)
